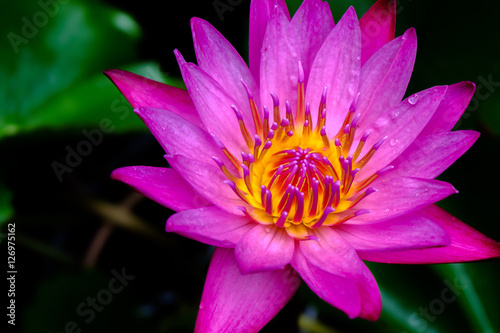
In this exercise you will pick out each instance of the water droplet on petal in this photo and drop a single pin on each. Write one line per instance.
(413, 99)
(358, 58)
(387, 210)
(394, 142)
(268, 230)
(395, 114)
(202, 306)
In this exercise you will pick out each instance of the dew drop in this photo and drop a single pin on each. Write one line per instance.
(413, 99)
(387, 210)
(202, 306)
(394, 142)
(268, 230)
(358, 58)
(395, 114)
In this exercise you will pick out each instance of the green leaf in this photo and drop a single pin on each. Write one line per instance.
(90, 102)
(91, 301)
(49, 50)
(6, 210)
(469, 297)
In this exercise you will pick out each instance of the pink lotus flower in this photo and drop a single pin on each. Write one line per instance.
(306, 163)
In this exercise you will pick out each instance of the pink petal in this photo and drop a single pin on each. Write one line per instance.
(312, 23)
(428, 156)
(334, 255)
(454, 103)
(260, 15)
(378, 27)
(218, 58)
(338, 291)
(143, 92)
(402, 233)
(208, 181)
(336, 67)
(384, 78)
(214, 106)
(163, 185)
(401, 125)
(179, 137)
(279, 63)
(264, 248)
(244, 303)
(467, 244)
(210, 225)
(399, 196)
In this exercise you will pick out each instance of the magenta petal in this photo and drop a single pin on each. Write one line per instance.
(260, 15)
(333, 270)
(179, 137)
(310, 34)
(243, 303)
(428, 156)
(218, 58)
(454, 103)
(402, 233)
(143, 92)
(378, 27)
(338, 291)
(214, 106)
(265, 247)
(333, 254)
(398, 196)
(208, 181)
(384, 78)
(336, 67)
(279, 63)
(401, 125)
(210, 225)
(163, 185)
(467, 244)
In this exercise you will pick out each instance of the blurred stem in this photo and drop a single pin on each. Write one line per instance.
(102, 235)
(97, 244)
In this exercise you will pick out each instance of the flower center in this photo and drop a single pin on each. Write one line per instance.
(293, 175)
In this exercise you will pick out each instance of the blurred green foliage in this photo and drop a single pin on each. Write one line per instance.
(53, 88)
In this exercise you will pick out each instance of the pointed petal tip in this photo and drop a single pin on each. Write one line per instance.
(411, 34)
(116, 174)
(351, 12)
(117, 75)
(467, 86)
(111, 72)
(195, 21)
(180, 58)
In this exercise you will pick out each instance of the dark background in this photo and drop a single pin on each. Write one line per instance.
(75, 229)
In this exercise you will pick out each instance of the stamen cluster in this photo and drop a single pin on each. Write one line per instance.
(293, 175)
